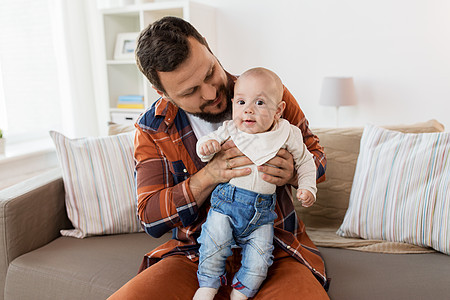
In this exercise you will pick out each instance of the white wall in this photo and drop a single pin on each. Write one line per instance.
(398, 52)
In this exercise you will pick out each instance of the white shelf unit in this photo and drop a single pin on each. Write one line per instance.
(122, 77)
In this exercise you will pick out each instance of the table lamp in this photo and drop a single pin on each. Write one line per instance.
(337, 91)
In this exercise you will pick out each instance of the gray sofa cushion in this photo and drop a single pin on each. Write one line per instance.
(359, 275)
(90, 268)
(94, 267)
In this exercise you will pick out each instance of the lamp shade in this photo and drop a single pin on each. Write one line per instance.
(338, 91)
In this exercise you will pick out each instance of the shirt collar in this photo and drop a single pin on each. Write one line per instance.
(168, 110)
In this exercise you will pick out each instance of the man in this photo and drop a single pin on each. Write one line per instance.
(174, 186)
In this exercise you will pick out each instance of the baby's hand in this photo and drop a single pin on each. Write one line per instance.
(306, 197)
(209, 147)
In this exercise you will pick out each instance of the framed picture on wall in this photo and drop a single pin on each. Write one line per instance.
(125, 45)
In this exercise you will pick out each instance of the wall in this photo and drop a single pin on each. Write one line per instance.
(397, 51)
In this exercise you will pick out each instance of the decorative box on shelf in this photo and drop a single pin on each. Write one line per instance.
(125, 117)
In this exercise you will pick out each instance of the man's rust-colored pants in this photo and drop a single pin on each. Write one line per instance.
(175, 277)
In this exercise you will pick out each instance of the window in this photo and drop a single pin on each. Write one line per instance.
(30, 94)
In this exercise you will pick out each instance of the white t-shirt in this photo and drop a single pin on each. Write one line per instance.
(202, 127)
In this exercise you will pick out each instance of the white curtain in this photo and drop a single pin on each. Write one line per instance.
(45, 69)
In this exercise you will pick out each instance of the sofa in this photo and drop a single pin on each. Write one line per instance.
(38, 263)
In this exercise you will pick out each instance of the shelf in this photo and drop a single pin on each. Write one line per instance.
(122, 77)
(126, 110)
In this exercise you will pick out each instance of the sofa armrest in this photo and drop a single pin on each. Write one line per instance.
(31, 215)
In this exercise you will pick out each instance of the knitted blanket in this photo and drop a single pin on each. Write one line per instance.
(327, 237)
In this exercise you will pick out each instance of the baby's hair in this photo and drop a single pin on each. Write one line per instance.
(260, 71)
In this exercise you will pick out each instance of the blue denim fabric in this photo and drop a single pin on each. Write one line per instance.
(243, 218)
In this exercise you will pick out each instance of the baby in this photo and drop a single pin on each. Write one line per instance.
(243, 210)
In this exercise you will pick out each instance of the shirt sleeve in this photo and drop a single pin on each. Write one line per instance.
(162, 205)
(303, 160)
(296, 117)
(220, 135)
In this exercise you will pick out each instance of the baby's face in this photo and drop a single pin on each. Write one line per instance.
(255, 104)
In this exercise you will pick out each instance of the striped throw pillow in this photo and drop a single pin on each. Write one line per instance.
(98, 175)
(401, 189)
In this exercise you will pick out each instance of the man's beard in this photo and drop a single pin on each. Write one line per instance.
(219, 117)
(222, 116)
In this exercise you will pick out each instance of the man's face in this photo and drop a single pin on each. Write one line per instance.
(199, 85)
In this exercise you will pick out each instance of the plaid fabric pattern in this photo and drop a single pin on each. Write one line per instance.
(166, 158)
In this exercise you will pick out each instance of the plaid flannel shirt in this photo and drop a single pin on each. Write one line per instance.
(166, 158)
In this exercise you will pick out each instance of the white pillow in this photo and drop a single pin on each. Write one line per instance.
(401, 189)
(98, 174)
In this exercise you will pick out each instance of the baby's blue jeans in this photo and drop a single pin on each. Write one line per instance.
(241, 218)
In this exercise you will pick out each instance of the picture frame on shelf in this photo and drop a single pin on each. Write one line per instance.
(125, 45)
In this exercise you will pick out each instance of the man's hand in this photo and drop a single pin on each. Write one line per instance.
(221, 167)
(218, 170)
(280, 169)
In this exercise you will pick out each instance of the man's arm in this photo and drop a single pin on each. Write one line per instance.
(163, 205)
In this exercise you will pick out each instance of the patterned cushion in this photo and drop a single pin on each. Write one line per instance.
(98, 174)
(342, 149)
(401, 189)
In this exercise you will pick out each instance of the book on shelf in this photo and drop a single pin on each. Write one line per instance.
(131, 98)
(131, 102)
(131, 106)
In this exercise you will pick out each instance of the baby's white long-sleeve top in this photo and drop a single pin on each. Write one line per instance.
(260, 148)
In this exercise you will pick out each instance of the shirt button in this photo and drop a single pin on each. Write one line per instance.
(259, 200)
(184, 170)
(289, 247)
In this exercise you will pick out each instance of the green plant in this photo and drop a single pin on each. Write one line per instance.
(1, 133)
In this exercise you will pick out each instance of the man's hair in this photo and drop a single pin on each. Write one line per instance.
(163, 46)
